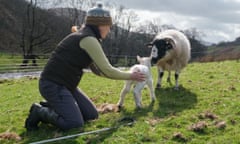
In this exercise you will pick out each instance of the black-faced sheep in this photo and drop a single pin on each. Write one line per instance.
(144, 67)
(171, 51)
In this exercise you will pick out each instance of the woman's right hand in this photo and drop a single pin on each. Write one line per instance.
(137, 76)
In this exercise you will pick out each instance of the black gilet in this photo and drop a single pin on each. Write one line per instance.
(66, 64)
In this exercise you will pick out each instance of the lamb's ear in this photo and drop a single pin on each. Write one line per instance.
(138, 58)
(150, 57)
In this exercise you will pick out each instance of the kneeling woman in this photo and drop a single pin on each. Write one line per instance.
(67, 106)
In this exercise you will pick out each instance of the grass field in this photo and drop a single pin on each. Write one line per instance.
(206, 109)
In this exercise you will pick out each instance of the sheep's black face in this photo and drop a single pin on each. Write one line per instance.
(159, 49)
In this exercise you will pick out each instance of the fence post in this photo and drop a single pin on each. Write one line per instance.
(126, 60)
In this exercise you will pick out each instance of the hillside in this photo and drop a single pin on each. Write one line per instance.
(10, 19)
(22, 32)
(223, 51)
(14, 27)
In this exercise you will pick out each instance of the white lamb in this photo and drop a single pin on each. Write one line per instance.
(171, 51)
(144, 67)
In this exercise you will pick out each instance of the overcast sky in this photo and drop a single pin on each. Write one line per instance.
(219, 20)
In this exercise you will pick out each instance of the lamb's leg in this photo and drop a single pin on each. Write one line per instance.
(169, 77)
(160, 75)
(137, 94)
(152, 93)
(176, 79)
(124, 91)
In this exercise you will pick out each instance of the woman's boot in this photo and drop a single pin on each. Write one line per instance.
(37, 114)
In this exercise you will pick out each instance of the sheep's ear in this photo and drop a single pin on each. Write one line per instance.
(169, 46)
(149, 45)
(170, 43)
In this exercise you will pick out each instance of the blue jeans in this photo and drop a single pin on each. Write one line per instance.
(73, 108)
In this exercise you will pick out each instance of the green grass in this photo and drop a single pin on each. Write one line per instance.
(205, 87)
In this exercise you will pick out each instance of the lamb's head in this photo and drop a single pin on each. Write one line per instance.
(160, 48)
(144, 61)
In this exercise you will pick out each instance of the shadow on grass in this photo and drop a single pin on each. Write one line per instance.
(172, 101)
(169, 102)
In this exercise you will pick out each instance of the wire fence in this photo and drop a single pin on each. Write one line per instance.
(15, 63)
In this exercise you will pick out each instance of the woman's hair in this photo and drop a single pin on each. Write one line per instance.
(95, 29)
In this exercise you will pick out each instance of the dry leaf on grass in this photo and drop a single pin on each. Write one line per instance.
(198, 127)
(221, 124)
(211, 115)
(10, 136)
(106, 108)
(179, 136)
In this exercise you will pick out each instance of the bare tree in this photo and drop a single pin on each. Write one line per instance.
(116, 32)
(197, 47)
(194, 33)
(155, 26)
(130, 20)
(73, 11)
(33, 33)
(76, 10)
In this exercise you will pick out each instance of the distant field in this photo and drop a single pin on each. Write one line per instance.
(206, 109)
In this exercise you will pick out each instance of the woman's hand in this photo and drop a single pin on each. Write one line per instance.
(137, 76)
